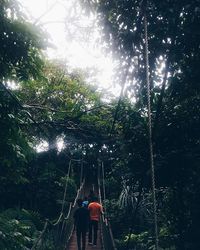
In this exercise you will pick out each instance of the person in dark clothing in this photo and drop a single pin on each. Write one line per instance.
(81, 220)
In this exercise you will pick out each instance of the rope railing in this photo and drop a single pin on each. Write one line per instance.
(150, 127)
(41, 235)
(68, 226)
(107, 235)
(56, 235)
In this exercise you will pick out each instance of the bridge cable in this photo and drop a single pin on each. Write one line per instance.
(66, 184)
(63, 226)
(106, 227)
(103, 180)
(150, 128)
(81, 175)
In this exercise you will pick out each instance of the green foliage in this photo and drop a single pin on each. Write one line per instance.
(62, 100)
(63, 105)
(174, 41)
(20, 42)
(14, 148)
(141, 241)
(18, 229)
(117, 216)
(144, 240)
(71, 188)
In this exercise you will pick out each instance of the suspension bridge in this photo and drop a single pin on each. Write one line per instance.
(61, 234)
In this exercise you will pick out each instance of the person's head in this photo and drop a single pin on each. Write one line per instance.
(79, 202)
(85, 198)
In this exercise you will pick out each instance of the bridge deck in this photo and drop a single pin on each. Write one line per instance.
(73, 244)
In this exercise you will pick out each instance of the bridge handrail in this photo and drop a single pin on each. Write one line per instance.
(60, 219)
(107, 235)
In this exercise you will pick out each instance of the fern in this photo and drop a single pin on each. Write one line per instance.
(18, 229)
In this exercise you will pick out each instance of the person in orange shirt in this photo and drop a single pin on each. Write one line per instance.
(95, 210)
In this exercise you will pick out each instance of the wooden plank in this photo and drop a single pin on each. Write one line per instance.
(73, 244)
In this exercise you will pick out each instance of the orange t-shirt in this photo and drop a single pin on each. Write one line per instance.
(95, 211)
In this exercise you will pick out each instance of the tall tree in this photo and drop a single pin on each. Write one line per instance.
(174, 44)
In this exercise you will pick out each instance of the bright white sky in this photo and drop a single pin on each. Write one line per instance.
(58, 21)
(78, 54)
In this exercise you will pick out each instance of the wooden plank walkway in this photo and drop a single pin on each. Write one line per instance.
(73, 244)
